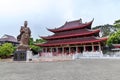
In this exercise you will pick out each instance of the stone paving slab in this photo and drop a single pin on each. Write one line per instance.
(82, 69)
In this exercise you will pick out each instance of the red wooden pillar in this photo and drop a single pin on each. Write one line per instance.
(84, 47)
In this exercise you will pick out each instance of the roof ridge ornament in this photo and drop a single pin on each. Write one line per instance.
(92, 19)
(66, 22)
(80, 20)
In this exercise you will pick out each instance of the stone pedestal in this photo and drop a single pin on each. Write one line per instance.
(23, 56)
(23, 53)
(29, 55)
(20, 56)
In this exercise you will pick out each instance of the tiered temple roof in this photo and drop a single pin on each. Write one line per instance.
(73, 32)
(72, 25)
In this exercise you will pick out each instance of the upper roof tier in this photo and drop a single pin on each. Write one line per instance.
(77, 24)
(72, 33)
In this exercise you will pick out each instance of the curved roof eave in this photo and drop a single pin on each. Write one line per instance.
(76, 27)
(79, 42)
(69, 35)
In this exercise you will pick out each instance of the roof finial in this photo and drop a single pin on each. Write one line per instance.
(93, 19)
(66, 22)
(80, 20)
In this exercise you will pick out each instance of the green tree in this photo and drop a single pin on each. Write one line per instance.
(31, 41)
(6, 49)
(105, 30)
(40, 41)
(114, 38)
(33, 46)
(117, 24)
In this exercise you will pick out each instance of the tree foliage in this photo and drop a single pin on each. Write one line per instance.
(6, 49)
(33, 46)
(40, 41)
(117, 24)
(114, 38)
(106, 29)
(31, 41)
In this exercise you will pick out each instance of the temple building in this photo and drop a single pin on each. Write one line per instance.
(8, 39)
(73, 37)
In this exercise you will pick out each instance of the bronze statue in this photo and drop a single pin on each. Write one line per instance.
(24, 36)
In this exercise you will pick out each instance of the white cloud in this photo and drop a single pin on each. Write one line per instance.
(22, 6)
(53, 13)
(66, 7)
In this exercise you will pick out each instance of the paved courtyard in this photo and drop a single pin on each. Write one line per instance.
(83, 69)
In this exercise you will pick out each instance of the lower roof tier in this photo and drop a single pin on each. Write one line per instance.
(72, 33)
(83, 40)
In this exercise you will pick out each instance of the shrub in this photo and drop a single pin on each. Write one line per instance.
(35, 48)
(6, 50)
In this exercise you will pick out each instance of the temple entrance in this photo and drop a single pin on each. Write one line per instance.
(80, 49)
(48, 49)
(89, 48)
(59, 50)
(66, 50)
(44, 50)
(96, 48)
(54, 51)
(73, 50)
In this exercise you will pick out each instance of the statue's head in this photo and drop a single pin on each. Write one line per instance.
(25, 23)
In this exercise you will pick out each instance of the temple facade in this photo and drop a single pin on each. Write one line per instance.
(73, 37)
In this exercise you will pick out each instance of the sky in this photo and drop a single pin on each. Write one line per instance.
(43, 14)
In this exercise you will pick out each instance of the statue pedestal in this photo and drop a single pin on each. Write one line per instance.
(23, 53)
(23, 56)
(20, 56)
(29, 56)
